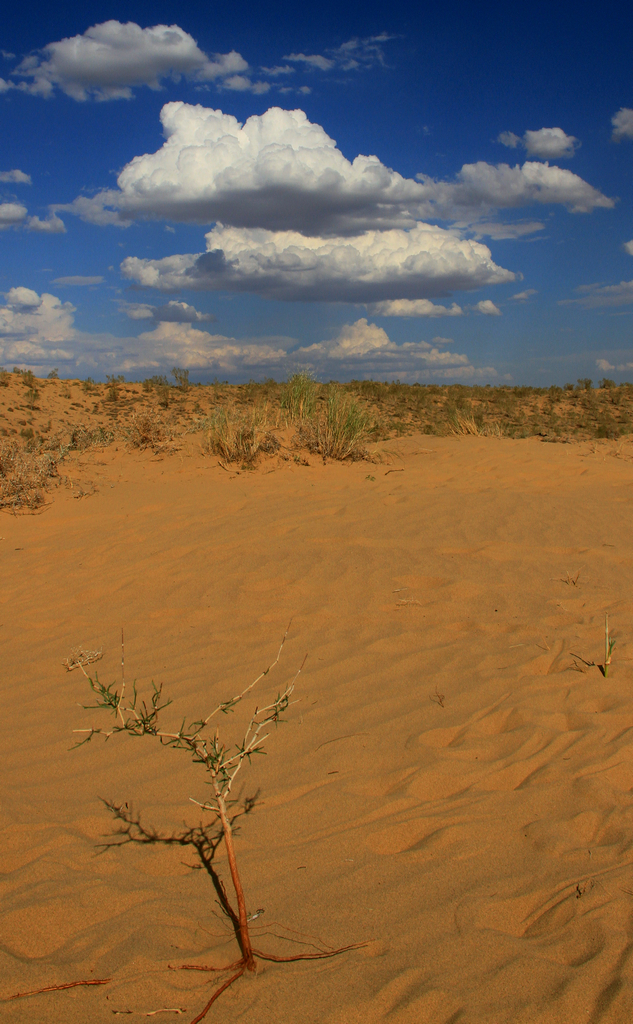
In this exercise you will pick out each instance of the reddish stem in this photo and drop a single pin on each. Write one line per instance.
(245, 939)
(218, 992)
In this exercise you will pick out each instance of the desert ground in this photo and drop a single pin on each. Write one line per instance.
(452, 788)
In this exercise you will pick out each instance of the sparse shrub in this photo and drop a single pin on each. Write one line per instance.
(23, 477)
(88, 385)
(240, 437)
(114, 383)
(299, 397)
(606, 382)
(181, 377)
(584, 384)
(82, 438)
(340, 431)
(53, 374)
(4, 377)
(147, 430)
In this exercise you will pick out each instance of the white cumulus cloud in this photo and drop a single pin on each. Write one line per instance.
(622, 124)
(364, 349)
(628, 247)
(109, 60)
(281, 172)
(482, 187)
(414, 307)
(52, 225)
(35, 328)
(523, 296)
(11, 215)
(487, 307)
(547, 143)
(172, 312)
(378, 265)
(15, 176)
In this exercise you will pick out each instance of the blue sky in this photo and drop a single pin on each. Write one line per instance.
(435, 194)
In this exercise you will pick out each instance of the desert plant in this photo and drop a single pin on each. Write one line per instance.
(23, 477)
(240, 437)
(340, 431)
(148, 430)
(201, 740)
(4, 377)
(609, 644)
(181, 377)
(298, 397)
(113, 386)
(53, 374)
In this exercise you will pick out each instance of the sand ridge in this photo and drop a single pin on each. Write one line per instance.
(481, 845)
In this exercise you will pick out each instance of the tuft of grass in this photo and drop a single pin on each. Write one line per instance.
(299, 397)
(240, 436)
(340, 431)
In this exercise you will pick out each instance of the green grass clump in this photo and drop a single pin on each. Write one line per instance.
(299, 397)
(240, 436)
(340, 431)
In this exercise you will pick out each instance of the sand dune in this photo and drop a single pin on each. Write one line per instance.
(453, 788)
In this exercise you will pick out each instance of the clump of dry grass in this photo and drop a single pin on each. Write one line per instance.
(462, 423)
(339, 431)
(238, 436)
(147, 429)
(23, 477)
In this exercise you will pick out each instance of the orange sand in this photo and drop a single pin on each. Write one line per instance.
(483, 850)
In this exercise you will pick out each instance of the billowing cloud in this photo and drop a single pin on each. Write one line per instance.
(192, 348)
(481, 187)
(414, 307)
(628, 247)
(111, 59)
(16, 177)
(38, 331)
(592, 296)
(364, 349)
(173, 312)
(281, 172)
(12, 215)
(424, 262)
(487, 307)
(547, 143)
(52, 225)
(523, 296)
(35, 328)
(622, 124)
(78, 280)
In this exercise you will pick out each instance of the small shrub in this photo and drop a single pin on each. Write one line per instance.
(240, 437)
(4, 377)
(53, 374)
(147, 430)
(181, 377)
(114, 383)
(23, 477)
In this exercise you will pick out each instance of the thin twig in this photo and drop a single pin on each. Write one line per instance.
(59, 988)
